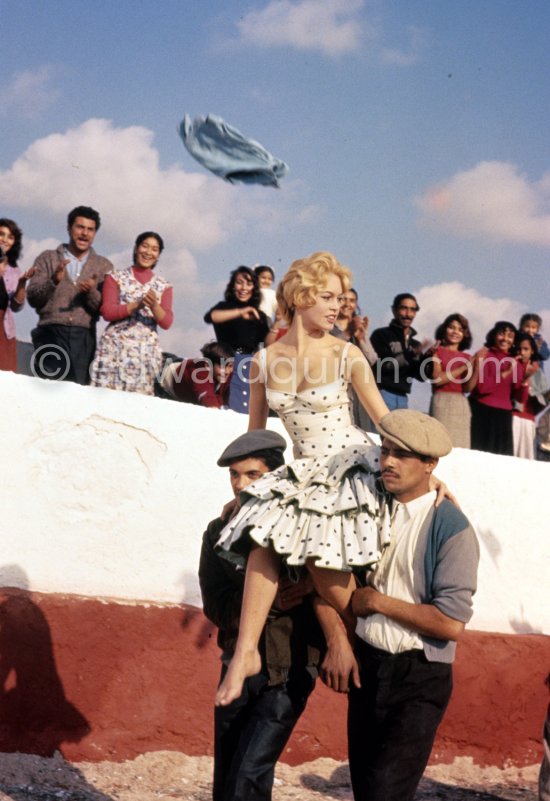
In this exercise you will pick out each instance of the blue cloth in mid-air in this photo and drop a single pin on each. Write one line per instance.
(224, 151)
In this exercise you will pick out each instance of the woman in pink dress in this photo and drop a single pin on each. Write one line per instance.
(12, 290)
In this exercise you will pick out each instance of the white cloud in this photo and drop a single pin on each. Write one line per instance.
(439, 300)
(332, 27)
(28, 93)
(33, 247)
(405, 57)
(491, 201)
(117, 170)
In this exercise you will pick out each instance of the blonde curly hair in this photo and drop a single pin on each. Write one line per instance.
(306, 278)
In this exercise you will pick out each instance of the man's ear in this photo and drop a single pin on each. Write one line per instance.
(431, 464)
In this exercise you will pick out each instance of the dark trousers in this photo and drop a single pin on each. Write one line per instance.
(251, 733)
(491, 429)
(392, 721)
(63, 352)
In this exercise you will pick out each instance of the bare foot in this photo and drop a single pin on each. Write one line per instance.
(240, 668)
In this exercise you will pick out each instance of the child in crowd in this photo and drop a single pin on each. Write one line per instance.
(531, 323)
(266, 279)
(525, 405)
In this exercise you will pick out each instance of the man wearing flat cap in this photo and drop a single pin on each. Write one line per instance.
(251, 732)
(413, 609)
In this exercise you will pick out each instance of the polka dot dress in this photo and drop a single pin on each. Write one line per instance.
(323, 505)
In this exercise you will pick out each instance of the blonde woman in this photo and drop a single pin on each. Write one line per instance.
(321, 510)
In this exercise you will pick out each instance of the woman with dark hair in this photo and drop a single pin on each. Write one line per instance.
(134, 302)
(451, 369)
(12, 290)
(495, 374)
(239, 322)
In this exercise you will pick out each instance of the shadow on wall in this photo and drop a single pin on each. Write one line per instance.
(35, 715)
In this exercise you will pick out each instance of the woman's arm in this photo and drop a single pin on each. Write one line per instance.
(257, 408)
(225, 315)
(362, 381)
(440, 377)
(161, 310)
(18, 299)
(111, 308)
(477, 359)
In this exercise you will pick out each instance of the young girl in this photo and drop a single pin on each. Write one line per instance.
(531, 323)
(495, 374)
(266, 279)
(321, 510)
(451, 370)
(525, 407)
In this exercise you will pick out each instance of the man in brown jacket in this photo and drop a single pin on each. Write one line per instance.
(66, 293)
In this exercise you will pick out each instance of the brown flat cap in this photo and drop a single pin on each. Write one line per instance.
(249, 443)
(416, 432)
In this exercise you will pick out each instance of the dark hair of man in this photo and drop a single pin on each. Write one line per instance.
(263, 268)
(217, 352)
(463, 323)
(15, 251)
(271, 457)
(84, 211)
(498, 328)
(229, 294)
(398, 300)
(523, 336)
(530, 317)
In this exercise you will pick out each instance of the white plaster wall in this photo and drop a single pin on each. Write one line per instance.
(107, 494)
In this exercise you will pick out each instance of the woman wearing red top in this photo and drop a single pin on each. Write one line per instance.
(452, 367)
(135, 301)
(496, 373)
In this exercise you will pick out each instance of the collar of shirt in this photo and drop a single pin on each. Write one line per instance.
(403, 512)
(75, 266)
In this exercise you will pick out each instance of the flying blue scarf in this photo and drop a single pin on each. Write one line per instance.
(224, 151)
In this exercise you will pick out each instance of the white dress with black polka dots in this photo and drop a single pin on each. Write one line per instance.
(323, 505)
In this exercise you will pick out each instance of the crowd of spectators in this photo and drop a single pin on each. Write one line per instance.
(493, 400)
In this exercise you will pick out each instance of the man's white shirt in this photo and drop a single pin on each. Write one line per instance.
(393, 575)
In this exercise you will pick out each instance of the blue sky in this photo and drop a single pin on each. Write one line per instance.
(416, 134)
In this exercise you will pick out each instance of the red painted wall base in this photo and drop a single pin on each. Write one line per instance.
(103, 680)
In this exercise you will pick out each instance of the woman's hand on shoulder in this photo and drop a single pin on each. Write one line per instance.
(443, 491)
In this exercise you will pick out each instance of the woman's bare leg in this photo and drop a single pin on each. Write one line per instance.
(336, 588)
(260, 588)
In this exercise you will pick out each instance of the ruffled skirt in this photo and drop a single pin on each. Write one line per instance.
(325, 509)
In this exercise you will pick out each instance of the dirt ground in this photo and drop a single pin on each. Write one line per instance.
(167, 774)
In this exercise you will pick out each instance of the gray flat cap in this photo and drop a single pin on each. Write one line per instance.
(252, 441)
(417, 432)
